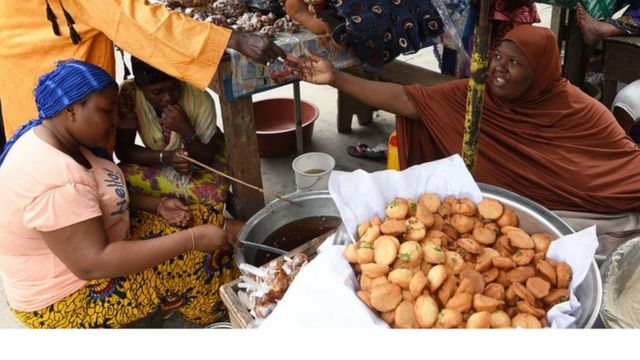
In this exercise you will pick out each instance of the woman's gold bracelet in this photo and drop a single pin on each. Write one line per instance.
(193, 240)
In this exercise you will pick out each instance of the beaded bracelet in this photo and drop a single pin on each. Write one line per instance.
(162, 157)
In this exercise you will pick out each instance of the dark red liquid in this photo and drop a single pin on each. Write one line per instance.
(296, 233)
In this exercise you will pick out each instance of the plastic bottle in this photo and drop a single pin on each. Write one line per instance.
(393, 162)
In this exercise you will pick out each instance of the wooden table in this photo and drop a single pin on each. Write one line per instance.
(235, 81)
(621, 54)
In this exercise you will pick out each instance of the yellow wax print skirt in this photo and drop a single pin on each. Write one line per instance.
(187, 283)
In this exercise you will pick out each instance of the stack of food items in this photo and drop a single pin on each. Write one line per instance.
(263, 287)
(435, 263)
(233, 14)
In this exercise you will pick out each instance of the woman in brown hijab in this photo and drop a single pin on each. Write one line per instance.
(540, 136)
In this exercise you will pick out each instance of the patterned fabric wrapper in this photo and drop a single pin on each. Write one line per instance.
(597, 8)
(187, 283)
(629, 22)
(405, 26)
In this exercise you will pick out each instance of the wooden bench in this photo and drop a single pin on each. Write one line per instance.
(397, 72)
(621, 54)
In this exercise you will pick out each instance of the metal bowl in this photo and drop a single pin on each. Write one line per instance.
(279, 213)
(536, 218)
(618, 268)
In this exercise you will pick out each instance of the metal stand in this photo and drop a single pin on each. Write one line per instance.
(297, 114)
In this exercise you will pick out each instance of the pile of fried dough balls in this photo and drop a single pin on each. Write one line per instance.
(451, 264)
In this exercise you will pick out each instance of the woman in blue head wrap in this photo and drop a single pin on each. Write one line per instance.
(68, 254)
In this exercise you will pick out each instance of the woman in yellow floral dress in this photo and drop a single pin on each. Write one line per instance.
(171, 117)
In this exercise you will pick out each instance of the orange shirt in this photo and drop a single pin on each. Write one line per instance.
(187, 49)
(49, 192)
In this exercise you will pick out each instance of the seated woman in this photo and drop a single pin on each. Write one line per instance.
(68, 255)
(540, 136)
(171, 117)
(378, 32)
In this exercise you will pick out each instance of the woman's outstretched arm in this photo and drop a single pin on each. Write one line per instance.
(380, 95)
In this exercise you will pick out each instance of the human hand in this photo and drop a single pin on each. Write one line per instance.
(233, 227)
(179, 164)
(311, 68)
(209, 238)
(256, 47)
(174, 211)
(177, 120)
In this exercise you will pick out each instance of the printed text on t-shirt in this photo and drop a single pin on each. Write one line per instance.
(115, 181)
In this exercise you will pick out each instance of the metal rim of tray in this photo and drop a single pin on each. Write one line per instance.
(609, 319)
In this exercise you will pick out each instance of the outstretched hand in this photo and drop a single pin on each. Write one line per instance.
(255, 47)
(311, 68)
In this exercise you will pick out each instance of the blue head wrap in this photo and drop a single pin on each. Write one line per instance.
(70, 82)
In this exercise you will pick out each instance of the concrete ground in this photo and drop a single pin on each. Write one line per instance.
(277, 174)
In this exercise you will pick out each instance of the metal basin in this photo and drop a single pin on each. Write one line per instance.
(535, 218)
(278, 213)
(618, 270)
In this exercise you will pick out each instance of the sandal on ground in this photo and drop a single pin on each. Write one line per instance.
(364, 151)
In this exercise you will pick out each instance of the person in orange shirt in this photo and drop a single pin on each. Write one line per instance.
(36, 34)
(70, 256)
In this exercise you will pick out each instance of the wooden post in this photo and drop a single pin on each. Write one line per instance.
(557, 21)
(475, 92)
(242, 148)
(576, 52)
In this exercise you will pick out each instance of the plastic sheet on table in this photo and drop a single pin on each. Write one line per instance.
(447, 9)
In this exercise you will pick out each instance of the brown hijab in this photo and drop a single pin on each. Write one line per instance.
(554, 144)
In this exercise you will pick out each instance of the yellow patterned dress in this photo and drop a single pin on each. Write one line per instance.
(188, 283)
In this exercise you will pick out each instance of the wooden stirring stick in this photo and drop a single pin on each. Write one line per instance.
(237, 180)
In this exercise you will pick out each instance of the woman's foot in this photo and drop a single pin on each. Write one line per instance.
(593, 31)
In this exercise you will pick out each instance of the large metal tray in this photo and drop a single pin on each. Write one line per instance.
(533, 218)
(536, 218)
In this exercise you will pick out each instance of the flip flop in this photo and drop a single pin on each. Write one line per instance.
(364, 151)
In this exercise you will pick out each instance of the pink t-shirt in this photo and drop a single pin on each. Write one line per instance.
(44, 189)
